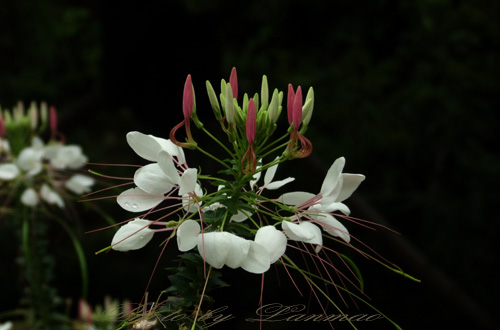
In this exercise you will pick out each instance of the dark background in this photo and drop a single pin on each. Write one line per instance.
(407, 91)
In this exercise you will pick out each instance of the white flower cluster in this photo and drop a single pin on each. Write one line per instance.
(40, 168)
(169, 172)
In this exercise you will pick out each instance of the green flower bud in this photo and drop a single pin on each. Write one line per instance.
(264, 93)
(213, 101)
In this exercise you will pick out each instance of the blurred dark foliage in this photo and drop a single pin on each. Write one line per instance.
(407, 91)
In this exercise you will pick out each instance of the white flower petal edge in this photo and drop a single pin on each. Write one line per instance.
(187, 235)
(333, 226)
(132, 236)
(8, 171)
(153, 180)
(50, 196)
(214, 247)
(257, 259)
(143, 145)
(29, 197)
(79, 184)
(137, 200)
(273, 240)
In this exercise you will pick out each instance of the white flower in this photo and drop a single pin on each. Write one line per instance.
(336, 188)
(50, 196)
(30, 160)
(132, 236)
(8, 171)
(268, 179)
(29, 197)
(79, 184)
(62, 157)
(188, 187)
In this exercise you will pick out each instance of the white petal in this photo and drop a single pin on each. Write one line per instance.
(350, 182)
(137, 200)
(330, 183)
(333, 226)
(152, 180)
(29, 197)
(29, 160)
(168, 167)
(50, 196)
(238, 251)
(187, 235)
(318, 238)
(271, 171)
(144, 145)
(79, 184)
(188, 181)
(297, 232)
(273, 240)
(278, 184)
(8, 171)
(256, 177)
(171, 148)
(257, 260)
(296, 197)
(132, 236)
(323, 207)
(214, 247)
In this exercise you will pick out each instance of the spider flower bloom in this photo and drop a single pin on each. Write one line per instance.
(188, 106)
(336, 188)
(251, 132)
(299, 146)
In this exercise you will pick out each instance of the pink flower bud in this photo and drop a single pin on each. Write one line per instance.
(251, 122)
(289, 103)
(53, 121)
(297, 109)
(188, 98)
(2, 127)
(233, 81)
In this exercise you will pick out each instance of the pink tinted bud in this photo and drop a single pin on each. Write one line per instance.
(297, 109)
(233, 81)
(53, 120)
(251, 122)
(188, 98)
(289, 103)
(2, 127)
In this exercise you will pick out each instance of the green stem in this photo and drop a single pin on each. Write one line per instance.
(79, 253)
(213, 157)
(217, 141)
